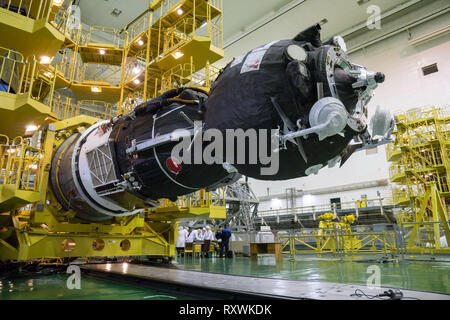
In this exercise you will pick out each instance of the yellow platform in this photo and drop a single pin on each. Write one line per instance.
(198, 47)
(83, 91)
(19, 111)
(91, 54)
(29, 36)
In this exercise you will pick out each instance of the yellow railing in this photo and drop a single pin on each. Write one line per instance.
(108, 75)
(200, 198)
(348, 205)
(179, 76)
(63, 22)
(426, 237)
(63, 107)
(33, 9)
(391, 148)
(400, 195)
(20, 164)
(215, 30)
(104, 35)
(21, 76)
(320, 241)
(421, 114)
(134, 99)
(183, 75)
(138, 27)
(97, 109)
(211, 74)
(176, 36)
(396, 171)
(218, 4)
(63, 63)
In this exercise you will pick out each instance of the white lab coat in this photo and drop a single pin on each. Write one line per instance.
(192, 236)
(209, 235)
(200, 236)
(181, 239)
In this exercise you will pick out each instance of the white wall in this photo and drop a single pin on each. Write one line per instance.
(405, 88)
(321, 199)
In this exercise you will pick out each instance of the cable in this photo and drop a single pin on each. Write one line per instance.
(391, 294)
(363, 294)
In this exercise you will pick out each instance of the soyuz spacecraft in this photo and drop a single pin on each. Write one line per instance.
(308, 91)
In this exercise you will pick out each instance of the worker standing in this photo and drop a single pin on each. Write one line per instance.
(225, 243)
(192, 237)
(207, 238)
(199, 235)
(181, 240)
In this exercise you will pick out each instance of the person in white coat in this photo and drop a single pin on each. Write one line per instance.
(181, 240)
(192, 236)
(208, 235)
(199, 235)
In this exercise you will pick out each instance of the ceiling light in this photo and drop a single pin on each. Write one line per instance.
(180, 11)
(177, 54)
(57, 2)
(45, 60)
(31, 128)
(96, 89)
(136, 81)
(102, 51)
(140, 42)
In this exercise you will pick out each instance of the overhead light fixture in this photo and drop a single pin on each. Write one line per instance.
(136, 81)
(180, 11)
(140, 42)
(102, 51)
(30, 129)
(177, 54)
(96, 89)
(45, 60)
(57, 2)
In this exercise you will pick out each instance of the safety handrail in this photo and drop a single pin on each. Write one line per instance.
(33, 9)
(20, 164)
(323, 207)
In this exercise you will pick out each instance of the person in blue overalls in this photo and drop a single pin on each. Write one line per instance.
(225, 236)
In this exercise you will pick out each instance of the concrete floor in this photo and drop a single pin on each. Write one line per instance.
(432, 276)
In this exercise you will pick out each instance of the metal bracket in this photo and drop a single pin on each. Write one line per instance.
(157, 141)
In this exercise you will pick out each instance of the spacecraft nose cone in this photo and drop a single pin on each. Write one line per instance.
(380, 77)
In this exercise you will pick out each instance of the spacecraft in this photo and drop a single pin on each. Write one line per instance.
(309, 92)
